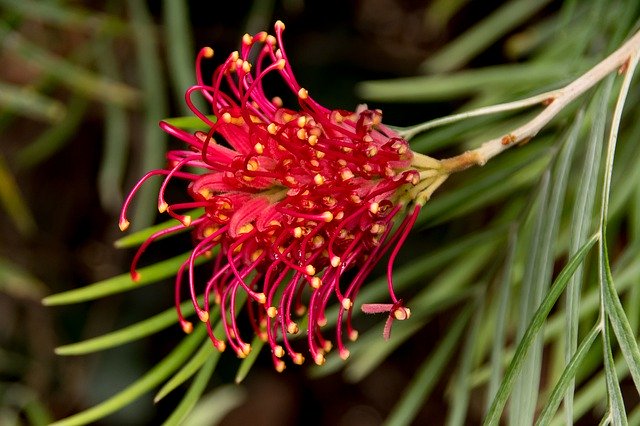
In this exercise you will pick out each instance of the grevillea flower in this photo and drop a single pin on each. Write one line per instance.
(291, 199)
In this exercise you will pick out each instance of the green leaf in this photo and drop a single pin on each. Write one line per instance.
(428, 374)
(462, 83)
(247, 363)
(29, 103)
(513, 171)
(120, 283)
(144, 384)
(127, 334)
(460, 389)
(620, 323)
(67, 16)
(206, 353)
(538, 273)
(179, 40)
(193, 395)
(82, 81)
(116, 135)
(16, 282)
(190, 123)
(617, 413)
(580, 224)
(52, 140)
(493, 416)
(153, 142)
(485, 33)
(567, 378)
(501, 329)
(212, 408)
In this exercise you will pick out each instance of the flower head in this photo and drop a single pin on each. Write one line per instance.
(292, 199)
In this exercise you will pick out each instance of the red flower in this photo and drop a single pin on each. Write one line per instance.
(293, 199)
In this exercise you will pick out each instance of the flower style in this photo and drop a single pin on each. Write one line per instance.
(291, 199)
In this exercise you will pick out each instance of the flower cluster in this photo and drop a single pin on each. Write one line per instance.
(291, 201)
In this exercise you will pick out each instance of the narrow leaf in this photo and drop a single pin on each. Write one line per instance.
(427, 375)
(120, 283)
(193, 394)
(144, 384)
(247, 363)
(493, 416)
(567, 378)
(127, 334)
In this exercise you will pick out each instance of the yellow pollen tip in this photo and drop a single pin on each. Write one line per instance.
(298, 359)
(261, 298)
(353, 335)
(203, 315)
(272, 311)
(206, 193)
(346, 303)
(301, 134)
(335, 261)
(327, 216)
(346, 174)
(245, 229)
(297, 232)
(402, 314)
(321, 321)
(278, 351)
(280, 366)
(374, 207)
(292, 328)
(186, 220)
(247, 39)
(316, 282)
(327, 346)
(207, 52)
(221, 346)
(209, 230)
(313, 139)
(310, 270)
(318, 179)
(187, 327)
(279, 25)
(281, 64)
(303, 93)
(246, 349)
(162, 207)
(344, 354)
(252, 165)
(259, 148)
(319, 359)
(256, 254)
(272, 128)
(226, 117)
(124, 224)
(302, 120)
